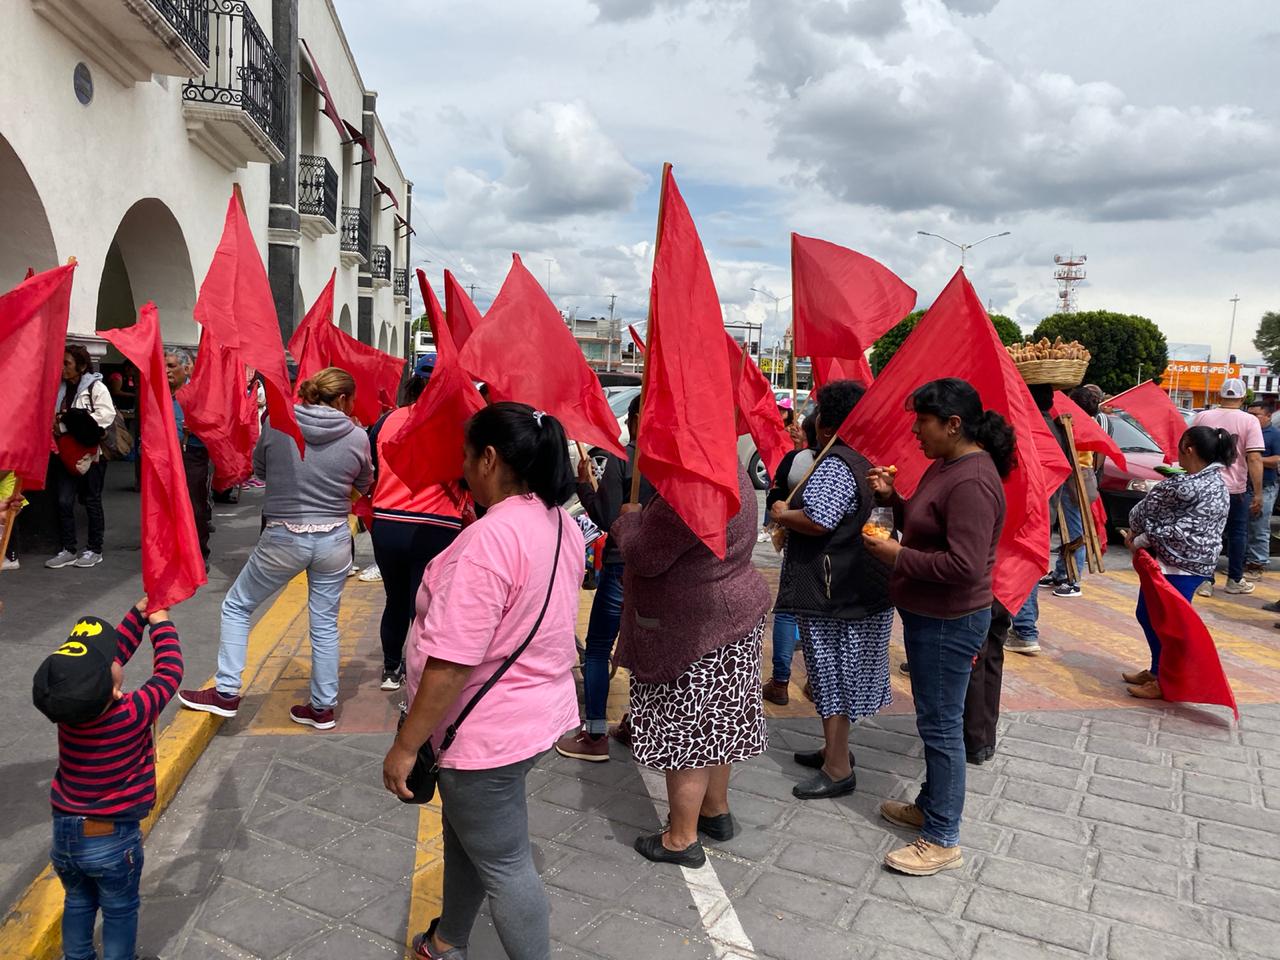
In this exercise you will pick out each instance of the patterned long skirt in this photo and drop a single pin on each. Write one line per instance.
(709, 715)
(848, 664)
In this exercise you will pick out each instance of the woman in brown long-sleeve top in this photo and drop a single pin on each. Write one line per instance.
(941, 585)
(692, 626)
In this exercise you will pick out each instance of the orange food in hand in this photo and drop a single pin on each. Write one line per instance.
(877, 531)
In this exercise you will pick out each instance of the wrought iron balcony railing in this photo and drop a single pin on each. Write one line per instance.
(317, 188)
(190, 18)
(381, 266)
(355, 230)
(244, 71)
(400, 283)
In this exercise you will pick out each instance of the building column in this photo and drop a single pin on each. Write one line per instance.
(364, 314)
(406, 341)
(283, 236)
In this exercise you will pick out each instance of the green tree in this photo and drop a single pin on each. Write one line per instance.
(420, 324)
(1122, 345)
(888, 345)
(1267, 339)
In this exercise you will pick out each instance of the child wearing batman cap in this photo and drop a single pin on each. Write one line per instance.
(106, 778)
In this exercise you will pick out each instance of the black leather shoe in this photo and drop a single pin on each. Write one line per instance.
(721, 827)
(814, 759)
(823, 787)
(650, 847)
(980, 756)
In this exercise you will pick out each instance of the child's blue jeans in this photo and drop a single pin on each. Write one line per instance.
(98, 873)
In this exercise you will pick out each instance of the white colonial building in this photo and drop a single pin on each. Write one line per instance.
(124, 124)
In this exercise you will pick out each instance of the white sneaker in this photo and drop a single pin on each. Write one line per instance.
(64, 558)
(763, 536)
(88, 559)
(352, 570)
(370, 574)
(1205, 589)
(10, 564)
(1239, 586)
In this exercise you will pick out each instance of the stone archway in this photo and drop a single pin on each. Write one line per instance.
(344, 319)
(395, 343)
(148, 260)
(382, 338)
(26, 241)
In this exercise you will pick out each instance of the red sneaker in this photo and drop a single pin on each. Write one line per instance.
(308, 715)
(580, 745)
(209, 701)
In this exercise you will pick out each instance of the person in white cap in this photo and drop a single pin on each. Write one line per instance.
(1244, 474)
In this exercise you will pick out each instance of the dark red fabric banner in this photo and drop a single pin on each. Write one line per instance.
(688, 442)
(758, 408)
(843, 301)
(33, 335)
(222, 410)
(236, 306)
(428, 448)
(1190, 669)
(1088, 435)
(461, 313)
(1159, 416)
(172, 567)
(524, 352)
(955, 338)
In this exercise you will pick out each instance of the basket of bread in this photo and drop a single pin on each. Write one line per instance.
(1059, 364)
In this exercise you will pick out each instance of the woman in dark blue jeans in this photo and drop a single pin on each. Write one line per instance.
(941, 585)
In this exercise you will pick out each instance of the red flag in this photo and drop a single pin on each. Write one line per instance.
(956, 339)
(428, 447)
(1152, 408)
(172, 568)
(33, 334)
(844, 301)
(524, 352)
(1088, 435)
(1190, 669)
(236, 305)
(826, 369)
(687, 446)
(31, 272)
(222, 410)
(461, 312)
(635, 337)
(317, 344)
(1099, 511)
(759, 408)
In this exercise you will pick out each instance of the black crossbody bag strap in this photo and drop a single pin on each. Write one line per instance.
(452, 732)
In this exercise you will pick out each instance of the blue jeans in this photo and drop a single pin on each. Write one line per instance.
(786, 634)
(98, 872)
(1260, 527)
(1075, 529)
(1237, 534)
(941, 655)
(602, 631)
(1026, 622)
(1186, 585)
(278, 558)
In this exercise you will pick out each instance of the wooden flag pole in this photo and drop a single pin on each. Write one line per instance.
(644, 378)
(1068, 556)
(1093, 550)
(582, 456)
(10, 518)
(791, 334)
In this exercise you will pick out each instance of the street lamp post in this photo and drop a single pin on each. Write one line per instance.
(1232, 332)
(962, 247)
(777, 301)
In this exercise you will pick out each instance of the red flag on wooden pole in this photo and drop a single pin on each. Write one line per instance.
(843, 302)
(955, 338)
(524, 352)
(236, 305)
(461, 312)
(428, 447)
(172, 567)
(1088, 435)
(221, 409)
(317, 344)
(826, 369)
(759, 408)
(1152, 408)
(33, 334)
(687, 446)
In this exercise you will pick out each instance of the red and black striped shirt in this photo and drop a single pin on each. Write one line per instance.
(107, 767)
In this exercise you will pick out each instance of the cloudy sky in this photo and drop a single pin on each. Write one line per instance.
(1144, 134)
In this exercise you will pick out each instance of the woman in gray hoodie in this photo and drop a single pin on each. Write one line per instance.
(306, 508)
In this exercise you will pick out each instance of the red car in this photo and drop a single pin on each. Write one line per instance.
(1121, 489)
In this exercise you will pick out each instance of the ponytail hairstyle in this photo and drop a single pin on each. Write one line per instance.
(531, 443)
(952, 397)
(1212, 445)
(327, 386)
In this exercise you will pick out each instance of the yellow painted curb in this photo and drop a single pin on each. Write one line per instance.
(428, 873)
(32, 928)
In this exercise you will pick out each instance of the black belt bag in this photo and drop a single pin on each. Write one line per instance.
(422, 778)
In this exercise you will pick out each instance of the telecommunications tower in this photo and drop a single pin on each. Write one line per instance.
(1069, 272)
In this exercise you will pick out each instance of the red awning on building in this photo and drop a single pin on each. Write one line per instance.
(330, 108)
(402, 222)
(384, 189)
(358, 137)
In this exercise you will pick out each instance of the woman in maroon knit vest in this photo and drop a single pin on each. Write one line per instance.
(692, 629)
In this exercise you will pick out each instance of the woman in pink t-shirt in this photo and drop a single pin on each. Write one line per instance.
(479, 600)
